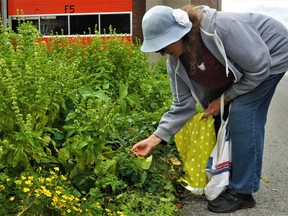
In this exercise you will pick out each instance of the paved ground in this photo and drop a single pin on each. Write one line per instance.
(272, 199)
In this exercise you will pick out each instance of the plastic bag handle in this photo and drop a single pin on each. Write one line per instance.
(222, 105)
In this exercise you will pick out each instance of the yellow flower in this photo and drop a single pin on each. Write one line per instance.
(75, 208)
(58, 192)
(38, 192)
(49, 179)
(56, 169)
(18, 182)
(41, 179)
(23, 177)
(68, 210)
(98, 206)
(55, 201)
(65, 197)
(47, 192)
(25, 190)
(120, 213)
(28, 182)
(30, 178)
(8, 179)
(63, 178)
(12, 198)
(59, 188)
(2, 187)
(52, 173)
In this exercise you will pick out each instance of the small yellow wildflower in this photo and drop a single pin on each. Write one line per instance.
(8, 179)
(12, 198)
(23, 177)
(38, 192)
(52, 173)
(28, 182)
(120, 213)
(63, 178)
(68, 210)
(25, 190)
(65, 197)
(58, 192)
(30, 178)
(49, 179)
(59, 188)
(75, 208)
(47, 192)
(54, 201)
(71, 198)
(18, 182)
(2, 187)
(41, 179)
(98, 206)
(84, 199)
(56, 169)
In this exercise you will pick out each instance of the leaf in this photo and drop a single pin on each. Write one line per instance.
(95, 192)
(134, 99)
(123, 91)
(101, 95)
(79, 145)
(86, 92)
(17, 156)
(64, 154)
(123, 105)
(147, 163)
(58, 135)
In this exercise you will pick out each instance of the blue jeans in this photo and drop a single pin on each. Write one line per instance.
(247, 121)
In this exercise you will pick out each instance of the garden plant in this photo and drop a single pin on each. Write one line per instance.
(69, 114)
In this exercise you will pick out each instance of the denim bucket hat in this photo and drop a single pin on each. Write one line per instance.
(163, 25)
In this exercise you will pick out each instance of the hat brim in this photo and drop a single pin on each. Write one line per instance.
(175, 34)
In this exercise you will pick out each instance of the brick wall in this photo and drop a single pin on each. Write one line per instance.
(139, 9)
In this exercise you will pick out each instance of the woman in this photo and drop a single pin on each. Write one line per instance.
(210, 53)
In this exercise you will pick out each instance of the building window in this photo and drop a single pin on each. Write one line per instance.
(54, 25)
(83, 24)
(79, 24)
(119, 22)
(33, 19)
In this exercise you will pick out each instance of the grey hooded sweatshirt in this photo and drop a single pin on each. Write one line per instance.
(251, 46)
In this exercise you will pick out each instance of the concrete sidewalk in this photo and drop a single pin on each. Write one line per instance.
(272, 199)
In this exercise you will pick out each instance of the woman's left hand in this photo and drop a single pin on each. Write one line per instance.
(213, 108)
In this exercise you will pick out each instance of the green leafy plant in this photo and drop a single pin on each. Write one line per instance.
(80, 107)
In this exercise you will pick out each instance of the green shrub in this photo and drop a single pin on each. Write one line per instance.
(79, 108)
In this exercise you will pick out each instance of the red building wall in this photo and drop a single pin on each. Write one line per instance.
(37, 7)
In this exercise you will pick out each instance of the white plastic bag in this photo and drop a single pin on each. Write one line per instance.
(219, 164)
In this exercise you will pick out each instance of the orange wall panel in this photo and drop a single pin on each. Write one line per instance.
(31, 7)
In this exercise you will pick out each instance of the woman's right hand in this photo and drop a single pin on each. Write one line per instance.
(144, 147)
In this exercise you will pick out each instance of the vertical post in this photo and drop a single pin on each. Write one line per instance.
(4, 12)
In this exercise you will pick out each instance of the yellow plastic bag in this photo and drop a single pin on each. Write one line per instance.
(195, 142)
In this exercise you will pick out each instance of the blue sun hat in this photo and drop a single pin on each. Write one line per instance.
(163, 25)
